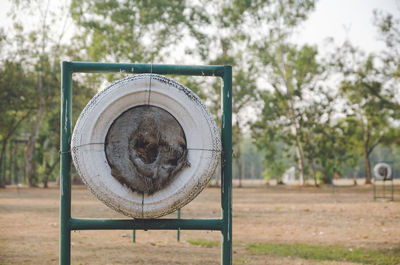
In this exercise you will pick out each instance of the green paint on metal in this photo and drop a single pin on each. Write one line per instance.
(67, 224)
(146, 224)
(226, 169)
(65, 164)
(178, 232)
(164, 69)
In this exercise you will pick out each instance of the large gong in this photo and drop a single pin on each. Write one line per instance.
(146, 145)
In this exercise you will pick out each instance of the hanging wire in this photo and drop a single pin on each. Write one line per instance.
(203, 149)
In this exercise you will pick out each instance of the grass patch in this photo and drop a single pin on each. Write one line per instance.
(203, 242)
(241, 260)
(334, 253)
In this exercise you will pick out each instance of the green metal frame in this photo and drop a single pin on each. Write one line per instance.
(67, 223)
(383, 181)
(178, 232)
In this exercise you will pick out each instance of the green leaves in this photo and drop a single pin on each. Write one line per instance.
(134, 31)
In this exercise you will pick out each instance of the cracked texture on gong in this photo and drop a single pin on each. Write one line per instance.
(146, 148)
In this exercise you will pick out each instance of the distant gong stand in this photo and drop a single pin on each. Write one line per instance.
(145, 146)
(382, 175)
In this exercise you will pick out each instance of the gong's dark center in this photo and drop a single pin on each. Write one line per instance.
(146, 148)
(147, 151)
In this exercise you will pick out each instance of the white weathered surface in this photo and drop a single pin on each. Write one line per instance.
(379, 170)
(202, 136)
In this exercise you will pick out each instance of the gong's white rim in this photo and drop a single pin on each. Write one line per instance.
(201, 132)
(378, 174)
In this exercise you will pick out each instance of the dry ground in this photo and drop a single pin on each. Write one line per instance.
(29, 226)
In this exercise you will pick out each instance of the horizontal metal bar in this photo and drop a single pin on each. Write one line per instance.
(194, 70)
(146, 224)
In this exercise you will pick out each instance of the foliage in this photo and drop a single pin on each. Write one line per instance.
(371, 102)
(297, 112)
(279, 59)
(15, 104)
(333, 253)
(38, 51)
(203, 242)
(252, 159)
(134, 31)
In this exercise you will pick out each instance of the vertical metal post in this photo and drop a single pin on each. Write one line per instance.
(226, 168)
(178, 232)
(10, 175)
(374, 189)
(15, 164)
(384, 189)
(65, 168)
(392, 190)
(133, 235)
(4, 166)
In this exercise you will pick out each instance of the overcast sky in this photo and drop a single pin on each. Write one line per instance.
(346, 19)
(340, 19)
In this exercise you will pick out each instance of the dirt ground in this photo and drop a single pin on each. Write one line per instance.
(29, 226)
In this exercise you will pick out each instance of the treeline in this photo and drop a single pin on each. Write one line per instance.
(323, 113)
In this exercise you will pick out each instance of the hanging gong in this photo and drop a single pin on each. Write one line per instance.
(146, 145)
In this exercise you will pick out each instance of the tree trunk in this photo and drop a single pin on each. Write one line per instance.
(313, 172)
(367, 166)
(354, 177)
(30, 147)
(49, 170)
(300, 163)
(2, 155)
(299, 151)
(4, 145)
(292, 116)
(240, 166)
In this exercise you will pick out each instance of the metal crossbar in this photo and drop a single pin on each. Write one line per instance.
(67, 223)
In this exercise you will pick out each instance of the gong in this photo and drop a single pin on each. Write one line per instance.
(382, 171)
(146, 145)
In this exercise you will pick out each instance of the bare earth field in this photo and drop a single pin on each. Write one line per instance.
(29, 226)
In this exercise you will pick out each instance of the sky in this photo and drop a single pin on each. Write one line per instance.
(346, 20)
(341, 19)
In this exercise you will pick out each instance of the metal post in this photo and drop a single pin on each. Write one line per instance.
(384, 188)
(226, 168)
(178, 232)
(392, 190)
(65, 167)
(4, 166)
(15, 163)
(133, 235)
(10, 175)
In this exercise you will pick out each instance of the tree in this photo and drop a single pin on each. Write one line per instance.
(133, 31)
(39, 51)
(296, 108)
(371, 103)
(242, 26)
(389, 32)
(15, 104)
(244, 91)
(276, 21)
